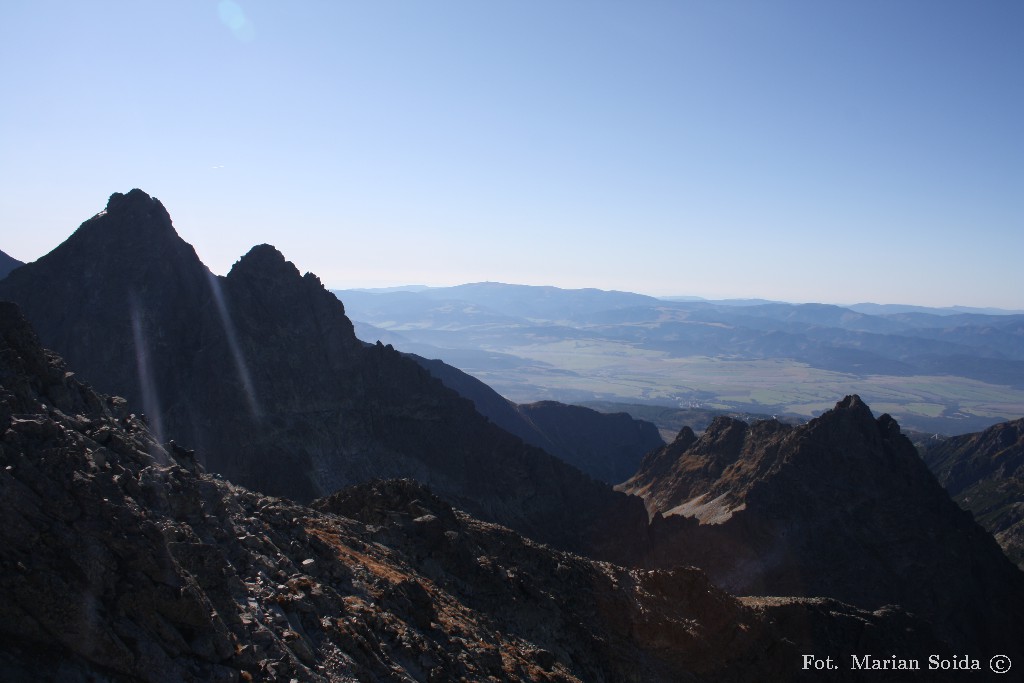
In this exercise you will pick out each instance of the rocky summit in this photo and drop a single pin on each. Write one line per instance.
(123, 561)
(842, 506)
(261, 373)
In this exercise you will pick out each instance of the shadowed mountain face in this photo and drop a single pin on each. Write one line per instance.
(984, 473)
(123, 276)
(124, 562)
(261, 373)
(610, 444)
(842, 506)
(7, 264)
(607, 446)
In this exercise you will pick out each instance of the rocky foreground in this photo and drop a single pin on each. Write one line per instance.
(120, 560)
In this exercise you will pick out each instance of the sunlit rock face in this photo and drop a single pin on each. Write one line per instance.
(260, 372)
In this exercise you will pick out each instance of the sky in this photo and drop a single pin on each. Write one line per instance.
(835, 152)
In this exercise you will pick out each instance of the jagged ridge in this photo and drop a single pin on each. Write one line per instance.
(842, 506)
(260, 371)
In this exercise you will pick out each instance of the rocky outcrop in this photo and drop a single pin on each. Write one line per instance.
(261, 373)
(840, 507)
(120, 560)
(984, 473)
(607, 446)
(7, 264)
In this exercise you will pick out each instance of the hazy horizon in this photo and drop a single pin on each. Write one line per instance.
(796, 151)
(415, 286)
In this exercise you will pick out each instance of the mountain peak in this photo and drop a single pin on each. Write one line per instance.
(131, 227)
(264, 253)
(134, 195)
(121, 269)
(136, 205)
(852, 402)
(686, 436)
(853, 412)
(264, 260)
(725, 429)
(133, 236)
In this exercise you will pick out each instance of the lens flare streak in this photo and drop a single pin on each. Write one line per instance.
(236, 352)
(147, 385)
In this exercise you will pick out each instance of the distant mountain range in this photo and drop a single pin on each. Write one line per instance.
(881, 309)
(865, 307)
(936, 370)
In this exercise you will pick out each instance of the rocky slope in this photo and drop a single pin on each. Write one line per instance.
(261, 373)
(7, 264)
(607, 446)
(610, 444)
(120, 560)
(841, 506)
(984, 473)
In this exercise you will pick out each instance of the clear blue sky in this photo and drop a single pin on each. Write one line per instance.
(806, 151)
